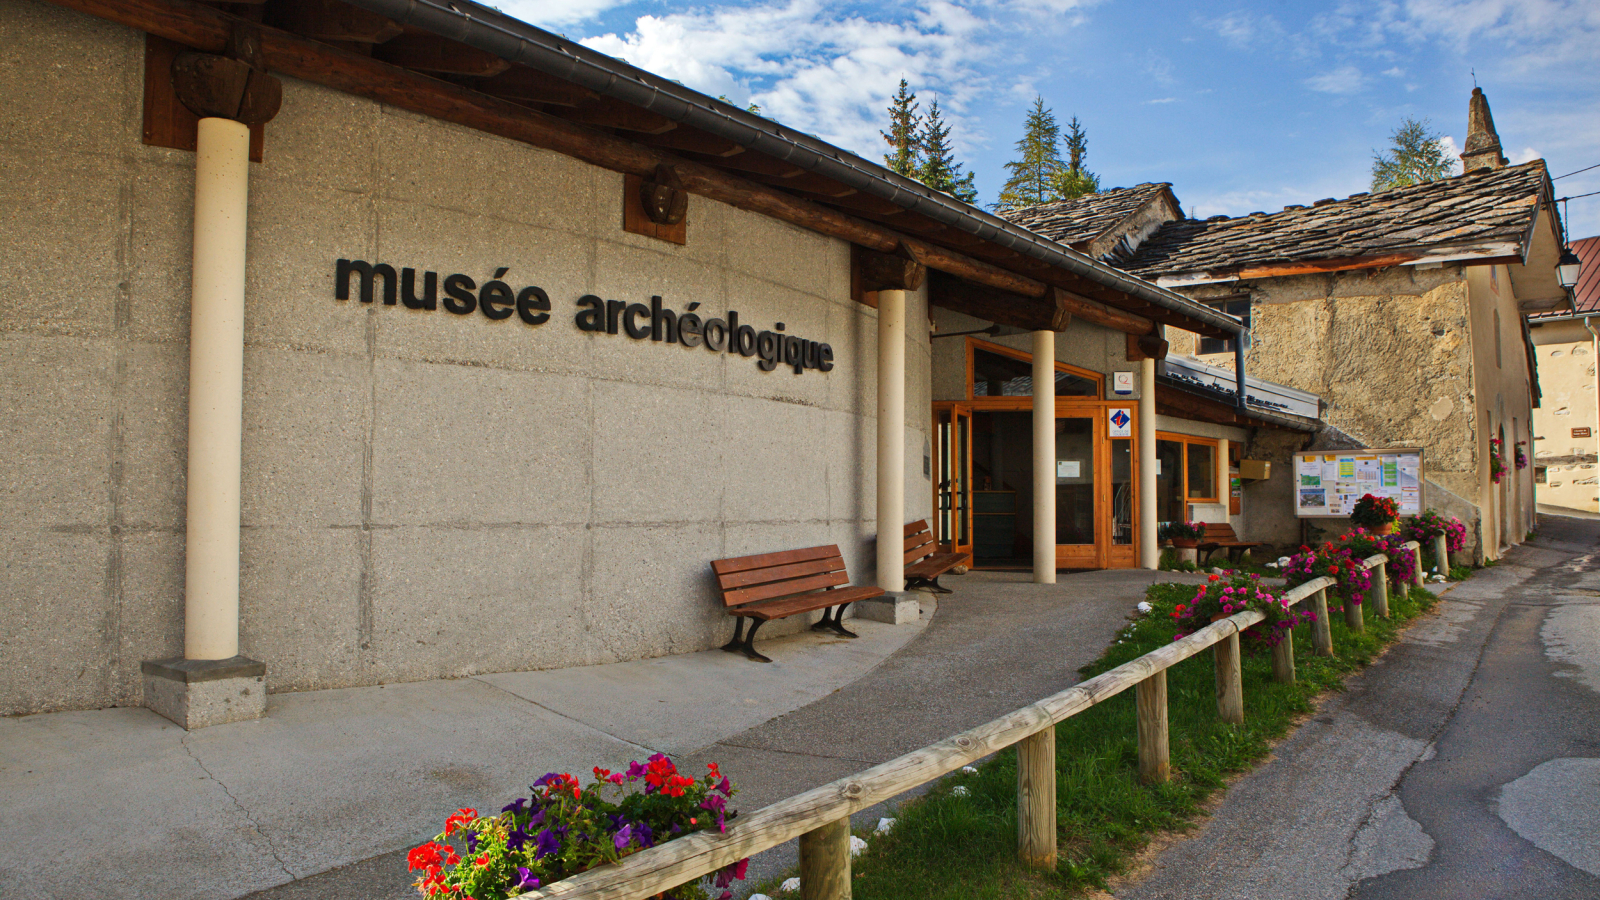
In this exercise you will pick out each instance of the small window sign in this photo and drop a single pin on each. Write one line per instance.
(1582, 432)
(1068, 468)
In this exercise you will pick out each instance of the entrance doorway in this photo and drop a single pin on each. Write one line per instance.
(1094, 485)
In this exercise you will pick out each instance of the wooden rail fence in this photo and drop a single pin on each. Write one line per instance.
(820, 817)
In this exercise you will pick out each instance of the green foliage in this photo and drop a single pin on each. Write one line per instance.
(905, 153)
(1077, 180)
(946, 847)
(1416, 155)
(1036, 173)
(939, 169)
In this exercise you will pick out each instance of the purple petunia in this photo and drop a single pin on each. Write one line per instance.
(526, 881)
(623, 836)
(545, 844)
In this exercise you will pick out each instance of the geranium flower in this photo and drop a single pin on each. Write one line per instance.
(423, 857)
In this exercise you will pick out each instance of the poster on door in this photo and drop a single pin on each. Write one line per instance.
(1328, 484)
(1121, 423)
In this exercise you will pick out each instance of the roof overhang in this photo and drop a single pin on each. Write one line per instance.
(535, 87)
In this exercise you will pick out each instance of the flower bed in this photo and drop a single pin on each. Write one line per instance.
(564, 828)
(1224, 596)
(1425, 527)
(1341, 559)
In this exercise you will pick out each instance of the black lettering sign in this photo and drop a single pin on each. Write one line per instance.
(498, 301)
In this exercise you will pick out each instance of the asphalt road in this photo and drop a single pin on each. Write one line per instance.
(1464, 764)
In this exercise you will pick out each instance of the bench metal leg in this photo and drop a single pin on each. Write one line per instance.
(932, 584)
(834, 624)
(746, 643)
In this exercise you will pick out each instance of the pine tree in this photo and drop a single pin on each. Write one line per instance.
(1077, 180)
(902, 134)
(1035, 177)
(939, 169)
(1416, 155)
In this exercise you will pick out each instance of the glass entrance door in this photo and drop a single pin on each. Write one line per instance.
(952, 425)
(1078, 513)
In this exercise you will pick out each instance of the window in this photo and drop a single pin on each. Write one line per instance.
(1238, 307)
(1186, 472)
(1002, 374)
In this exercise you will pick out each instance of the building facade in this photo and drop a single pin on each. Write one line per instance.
(512, 358)
(1566, 426)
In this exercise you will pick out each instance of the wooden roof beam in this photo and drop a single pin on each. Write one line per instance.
(442, 56)
(527, 85)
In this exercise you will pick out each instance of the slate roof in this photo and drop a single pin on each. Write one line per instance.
(1495, 206)
(1586, 295)
(1082, 220)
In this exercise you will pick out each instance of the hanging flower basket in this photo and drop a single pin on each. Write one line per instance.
(1497, 463)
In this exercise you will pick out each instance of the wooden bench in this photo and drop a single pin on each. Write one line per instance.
(924, 562)
(1221, 537)
(778, 585)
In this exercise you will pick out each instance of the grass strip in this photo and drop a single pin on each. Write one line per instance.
(962, 844)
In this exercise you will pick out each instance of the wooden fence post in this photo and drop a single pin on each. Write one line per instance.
(1155, 755)
(1353, 618)
(1036, 799)
(1283, 657)
(1441, 552)
(825, 862)
(1322, 629)
(1380, 589)
(1230, 686)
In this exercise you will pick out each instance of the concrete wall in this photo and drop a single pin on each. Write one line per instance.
(424, 494)
(1567, 381)
(1500, 367)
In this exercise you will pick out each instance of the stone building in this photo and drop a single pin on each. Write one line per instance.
(351, 343)
(1402, 310)
(1566, 426)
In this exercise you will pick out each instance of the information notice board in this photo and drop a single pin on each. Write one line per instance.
(1329, 482)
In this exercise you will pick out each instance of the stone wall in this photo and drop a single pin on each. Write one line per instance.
(424, 494)
(1567, 381)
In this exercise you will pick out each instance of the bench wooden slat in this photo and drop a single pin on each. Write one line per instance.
(916, 527)
(780, 573)
(938, 564)
(784, 588)
(763, 560)
(788, 606)
(917, 540)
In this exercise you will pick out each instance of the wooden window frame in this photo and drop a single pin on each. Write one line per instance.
(1186, 439)
(976, 344)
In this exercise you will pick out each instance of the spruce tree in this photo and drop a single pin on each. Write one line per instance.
(1077, 180)
(905, 156)
(1036, 175)
(939, 169)
(1415, 155)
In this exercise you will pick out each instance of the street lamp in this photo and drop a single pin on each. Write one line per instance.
(1567, 268)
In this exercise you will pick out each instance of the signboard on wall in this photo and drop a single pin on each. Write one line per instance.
(1328, 483)
(1119, 423)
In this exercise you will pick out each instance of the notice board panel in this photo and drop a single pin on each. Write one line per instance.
(1328, 483)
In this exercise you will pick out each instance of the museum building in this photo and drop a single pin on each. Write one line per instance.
(353, 343)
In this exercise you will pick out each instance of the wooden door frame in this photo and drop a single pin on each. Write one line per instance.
(963, 409)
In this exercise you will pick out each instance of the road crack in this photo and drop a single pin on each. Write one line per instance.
(249, 817)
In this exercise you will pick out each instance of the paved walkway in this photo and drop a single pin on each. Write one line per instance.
(1462, 764)
(321, 798)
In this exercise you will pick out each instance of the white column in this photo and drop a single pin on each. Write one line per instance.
(891, 440)
(1044, 457)
(1149, 552)
(216, 385)
(1222, 479)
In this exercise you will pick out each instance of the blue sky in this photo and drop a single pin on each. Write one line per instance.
(1242, 107)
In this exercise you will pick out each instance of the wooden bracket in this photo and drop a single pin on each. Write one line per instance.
(898, 271)
(665, 201)
(235, 86)
(1146, 346)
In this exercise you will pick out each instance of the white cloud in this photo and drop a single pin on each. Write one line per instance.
(829, 72)
(1527, 154)
(1161, 100)
(1346, 79)
(1395, 72)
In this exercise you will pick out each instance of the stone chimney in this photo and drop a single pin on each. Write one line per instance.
(1483, 143)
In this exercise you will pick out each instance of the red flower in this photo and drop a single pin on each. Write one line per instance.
(423, 857)
(452, 857)
(1214, 577)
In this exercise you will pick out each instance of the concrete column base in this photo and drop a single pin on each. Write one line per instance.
(892, 608)
(196, 693)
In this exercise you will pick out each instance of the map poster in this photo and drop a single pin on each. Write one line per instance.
(1328, 484)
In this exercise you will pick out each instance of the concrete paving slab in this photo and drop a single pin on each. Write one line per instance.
(679, 704)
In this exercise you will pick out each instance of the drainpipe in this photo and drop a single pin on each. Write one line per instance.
(1044, 457)
(891, 440)
(1594, 354)
(1238, 370)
